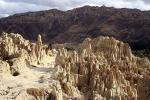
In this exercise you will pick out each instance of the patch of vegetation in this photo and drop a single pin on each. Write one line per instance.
(142, 53)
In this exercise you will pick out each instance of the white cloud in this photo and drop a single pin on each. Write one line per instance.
(18, 6)
(7, 8)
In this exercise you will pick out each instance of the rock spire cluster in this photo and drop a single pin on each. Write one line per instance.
(103, 69)
(98, 69)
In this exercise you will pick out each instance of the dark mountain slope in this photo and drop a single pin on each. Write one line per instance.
(129, 25)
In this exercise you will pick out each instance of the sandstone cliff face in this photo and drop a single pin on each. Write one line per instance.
(98, 69)
(15, 46)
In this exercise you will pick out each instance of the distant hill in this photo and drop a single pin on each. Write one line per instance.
(128, 25)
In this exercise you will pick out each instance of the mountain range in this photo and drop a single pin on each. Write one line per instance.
(73, 26)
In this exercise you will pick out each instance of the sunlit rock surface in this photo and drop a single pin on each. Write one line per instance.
(97, 69)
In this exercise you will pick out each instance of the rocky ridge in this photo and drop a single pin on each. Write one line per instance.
(56, 26)
(98, 69)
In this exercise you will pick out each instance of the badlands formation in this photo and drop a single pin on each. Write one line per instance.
(97, 69)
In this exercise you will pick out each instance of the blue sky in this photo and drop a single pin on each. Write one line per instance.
(9, 7)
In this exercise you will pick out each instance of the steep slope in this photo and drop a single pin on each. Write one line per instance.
(128, 25)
